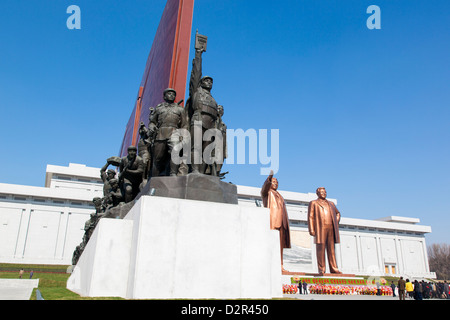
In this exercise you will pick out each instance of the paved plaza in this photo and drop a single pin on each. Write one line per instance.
(17, 289)
(355, 297)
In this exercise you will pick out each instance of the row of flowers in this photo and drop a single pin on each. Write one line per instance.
(340, 290)
(290, 288)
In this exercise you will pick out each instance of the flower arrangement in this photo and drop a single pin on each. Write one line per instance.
(289, 288)
(386, 291)
(348, 290)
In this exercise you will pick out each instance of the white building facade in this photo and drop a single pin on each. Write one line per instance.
(43, 225)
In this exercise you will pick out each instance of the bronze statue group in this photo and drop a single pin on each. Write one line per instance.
(153, 155)
(169, 125)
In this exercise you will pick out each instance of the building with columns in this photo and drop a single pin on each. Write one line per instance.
(43, 225)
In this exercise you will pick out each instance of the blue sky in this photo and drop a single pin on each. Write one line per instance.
(364, 113)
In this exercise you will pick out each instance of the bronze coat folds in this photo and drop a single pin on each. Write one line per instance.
(316, 218)
(279, 220)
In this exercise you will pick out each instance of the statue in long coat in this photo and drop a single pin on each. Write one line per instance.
(279, 219)
(323, 225)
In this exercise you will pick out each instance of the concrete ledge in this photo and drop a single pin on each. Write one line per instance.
(17, 289)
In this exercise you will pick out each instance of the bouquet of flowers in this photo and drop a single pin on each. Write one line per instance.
(289, 288)
(386, 291)
(370, 291)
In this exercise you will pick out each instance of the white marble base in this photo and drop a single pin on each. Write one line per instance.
(102, 270)
(168, 248)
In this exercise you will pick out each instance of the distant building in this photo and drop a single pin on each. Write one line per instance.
(43, 225)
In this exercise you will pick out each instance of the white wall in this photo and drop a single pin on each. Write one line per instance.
(48, 223)
(40, 234)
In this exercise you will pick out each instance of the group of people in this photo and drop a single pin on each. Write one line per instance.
(21, 272)
(419, 290)
(428, 290)
(302, 287)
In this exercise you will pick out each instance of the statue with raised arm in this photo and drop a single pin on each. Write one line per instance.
(201, 107)
(279, 219)
(106, 176)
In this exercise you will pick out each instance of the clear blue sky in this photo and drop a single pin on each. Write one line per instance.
(364, 113)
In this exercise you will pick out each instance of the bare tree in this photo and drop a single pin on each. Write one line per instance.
(439, 260)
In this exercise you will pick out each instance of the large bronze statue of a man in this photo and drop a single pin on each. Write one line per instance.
(323, 225)
(168, 117)
(279, 219)
(201, 108)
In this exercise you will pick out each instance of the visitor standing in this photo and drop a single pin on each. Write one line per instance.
(417, 290)
(299, 286)
(393, 289)
(409, 289)
(401, 288)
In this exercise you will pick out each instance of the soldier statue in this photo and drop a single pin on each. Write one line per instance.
(201, 108)
(106, 177)
(168, 117)
(114, 196)
(145, 151)
(222, 127)
(89, 228)
(131, 171)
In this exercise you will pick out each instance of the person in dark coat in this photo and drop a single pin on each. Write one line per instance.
(401, 288)
(417, 290)
(393, 288)
(305, 287)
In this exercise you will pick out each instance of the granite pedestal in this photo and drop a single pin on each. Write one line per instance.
(173, 248)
